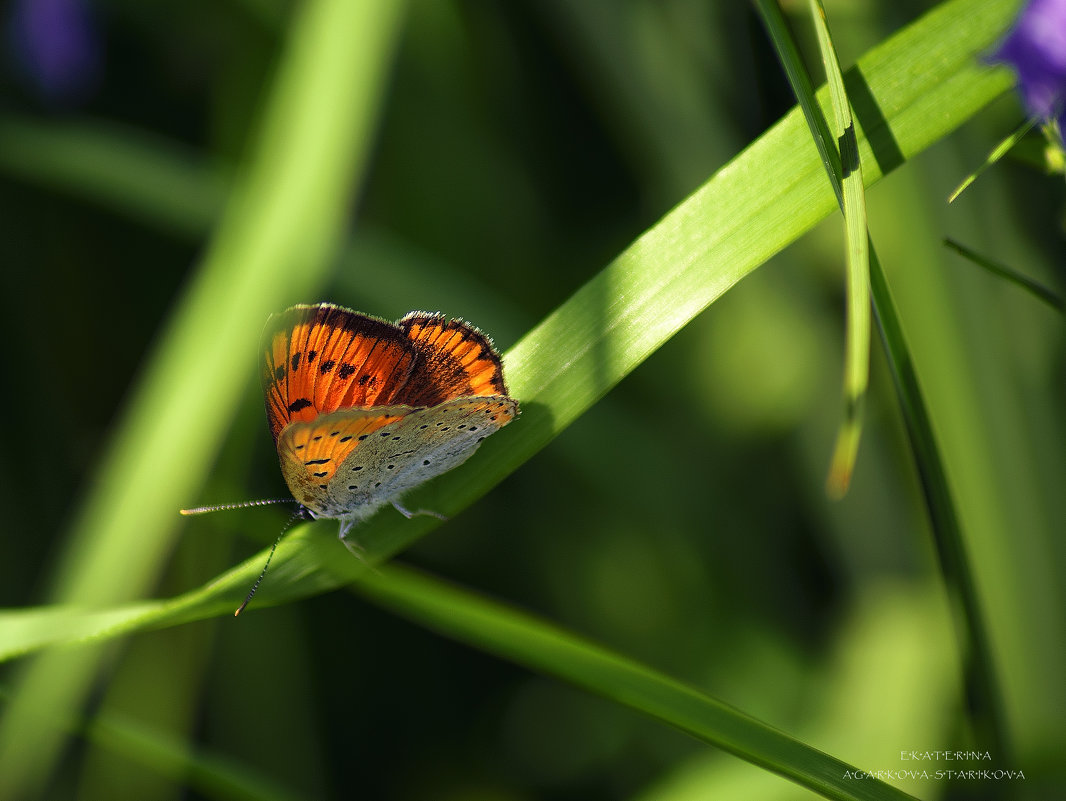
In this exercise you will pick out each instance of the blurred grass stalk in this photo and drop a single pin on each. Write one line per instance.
(278, 233)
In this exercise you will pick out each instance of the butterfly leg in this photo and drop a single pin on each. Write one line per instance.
(354, 547)
(409, 514)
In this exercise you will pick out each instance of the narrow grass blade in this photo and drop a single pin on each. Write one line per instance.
(803, 88)
(986, 707)
(1034, 288)
(857, 340)
(998, 152)
(838, 147)
(158, 183)
(975, 643)
(536, 644)
(541, 646)
(212, 776)
(205, 773)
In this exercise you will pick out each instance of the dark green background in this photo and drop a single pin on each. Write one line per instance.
(681, 521)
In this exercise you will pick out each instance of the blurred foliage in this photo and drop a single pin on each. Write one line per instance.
(521, 146)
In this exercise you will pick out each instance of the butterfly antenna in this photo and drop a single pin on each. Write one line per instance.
(225, 507)
(299, 514)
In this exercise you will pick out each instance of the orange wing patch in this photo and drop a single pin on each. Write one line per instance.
(310, 453)
(455, 360)
(322, 358)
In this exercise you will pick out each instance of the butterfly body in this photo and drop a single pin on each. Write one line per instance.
(363, 410)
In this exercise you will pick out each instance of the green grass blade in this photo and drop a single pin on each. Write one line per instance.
(998, 152)
(541, 646)
(276, 236)
(840, 155)
(803, 88)
(212, 776)
(857, 340)
(145, 178)
(973, 633)
(205, 773)
(1034, 288)
(986, 712)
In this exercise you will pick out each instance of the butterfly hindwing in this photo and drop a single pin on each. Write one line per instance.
(311, 452)
(415, 448)
(348, 463)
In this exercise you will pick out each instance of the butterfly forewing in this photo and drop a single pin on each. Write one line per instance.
(318, 359)
(455, 360)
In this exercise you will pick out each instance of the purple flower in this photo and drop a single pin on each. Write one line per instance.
(56, 45)
(1036, 49)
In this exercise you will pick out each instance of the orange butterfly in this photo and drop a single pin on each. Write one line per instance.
(363, 410)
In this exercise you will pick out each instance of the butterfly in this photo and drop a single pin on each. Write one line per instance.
(363, 410)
